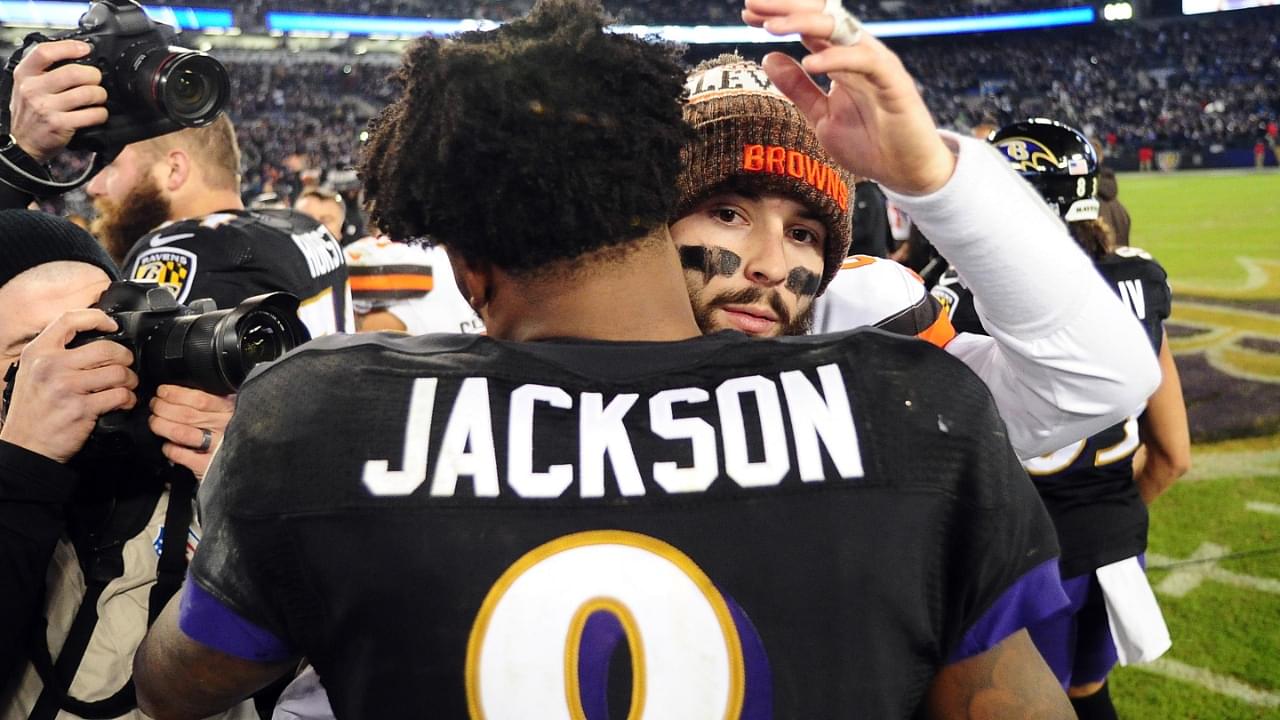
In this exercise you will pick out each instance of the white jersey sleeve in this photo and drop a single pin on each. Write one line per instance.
(1065, 359)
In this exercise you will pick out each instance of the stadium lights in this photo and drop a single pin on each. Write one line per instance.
(48, 13)
(1113, 12)
(294, 23)
(53, 13)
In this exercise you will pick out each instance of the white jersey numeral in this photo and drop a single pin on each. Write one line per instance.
(686, 654)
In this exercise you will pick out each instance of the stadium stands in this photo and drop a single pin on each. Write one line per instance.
(1199, 86)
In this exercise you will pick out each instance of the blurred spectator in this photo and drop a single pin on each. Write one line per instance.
(325, 207)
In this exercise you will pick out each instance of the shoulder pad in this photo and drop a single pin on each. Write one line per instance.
(866, 291)
(371, 252)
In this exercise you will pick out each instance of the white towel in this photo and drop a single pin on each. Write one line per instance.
(1137, 625)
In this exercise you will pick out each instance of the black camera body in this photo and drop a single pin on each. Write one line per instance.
(195, 346)
(153, 87)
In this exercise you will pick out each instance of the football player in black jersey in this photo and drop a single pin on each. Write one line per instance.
(1097, 489)
(595, 506)
(169, 210)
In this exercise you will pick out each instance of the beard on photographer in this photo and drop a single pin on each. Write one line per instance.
(54, 504)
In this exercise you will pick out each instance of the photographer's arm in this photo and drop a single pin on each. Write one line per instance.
(46, 107)
(57, 396)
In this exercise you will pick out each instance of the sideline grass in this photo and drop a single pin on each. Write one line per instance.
(1197, 223)
(1227, 631)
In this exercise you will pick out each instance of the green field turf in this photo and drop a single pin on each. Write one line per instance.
(1225, 661)
(1198, 223)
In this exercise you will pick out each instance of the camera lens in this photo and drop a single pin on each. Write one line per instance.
(189, 92)
(214, 351)
(262, 338)
(191, 88)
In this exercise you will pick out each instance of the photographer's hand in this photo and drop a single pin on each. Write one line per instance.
(59, 393)
(48, 106)
(181, 416)
(873, 121)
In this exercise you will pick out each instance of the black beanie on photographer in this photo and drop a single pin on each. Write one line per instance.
(29, 238)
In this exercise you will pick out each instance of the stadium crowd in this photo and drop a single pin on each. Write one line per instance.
(1188, 86)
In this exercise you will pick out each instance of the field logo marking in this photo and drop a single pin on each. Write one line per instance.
(1182, 580)
(1261, 282)
(1224, 330)
(1209, 680)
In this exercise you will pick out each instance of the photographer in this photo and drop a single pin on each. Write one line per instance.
(58, 510)
(169, 201)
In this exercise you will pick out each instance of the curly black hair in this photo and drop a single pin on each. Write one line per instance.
(538, 142)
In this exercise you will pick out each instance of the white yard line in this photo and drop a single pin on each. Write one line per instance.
(1182, 580)
(1268, 508)
(1209, 680)
(1232, 464)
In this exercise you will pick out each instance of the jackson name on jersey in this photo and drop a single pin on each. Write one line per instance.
(815, 416)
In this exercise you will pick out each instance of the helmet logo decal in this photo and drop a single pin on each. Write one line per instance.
(1028, 155)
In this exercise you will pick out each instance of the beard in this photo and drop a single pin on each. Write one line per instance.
(119, 226)
(799, 324)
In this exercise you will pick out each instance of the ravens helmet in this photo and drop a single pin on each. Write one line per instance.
(1057, 160)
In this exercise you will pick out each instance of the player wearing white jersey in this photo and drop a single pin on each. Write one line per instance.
(763, 226)
(406, 287)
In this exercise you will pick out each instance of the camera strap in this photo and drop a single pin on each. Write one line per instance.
(101, 569)
(28, 180)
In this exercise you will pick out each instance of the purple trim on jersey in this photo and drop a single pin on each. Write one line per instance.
(1031, 599)
(757, 694)
(209, 622)
(600, 637)
(1077, 644)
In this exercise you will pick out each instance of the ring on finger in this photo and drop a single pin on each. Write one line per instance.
(848, 30)
(206, 440)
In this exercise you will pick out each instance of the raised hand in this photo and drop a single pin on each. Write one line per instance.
(873, 121)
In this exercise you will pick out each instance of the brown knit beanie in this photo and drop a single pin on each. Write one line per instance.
(749, 132)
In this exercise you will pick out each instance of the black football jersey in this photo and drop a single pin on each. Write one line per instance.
(450, 525)
(1088, 486)
(234, 255)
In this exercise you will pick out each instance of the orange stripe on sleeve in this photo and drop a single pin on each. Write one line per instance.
(373, 283)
